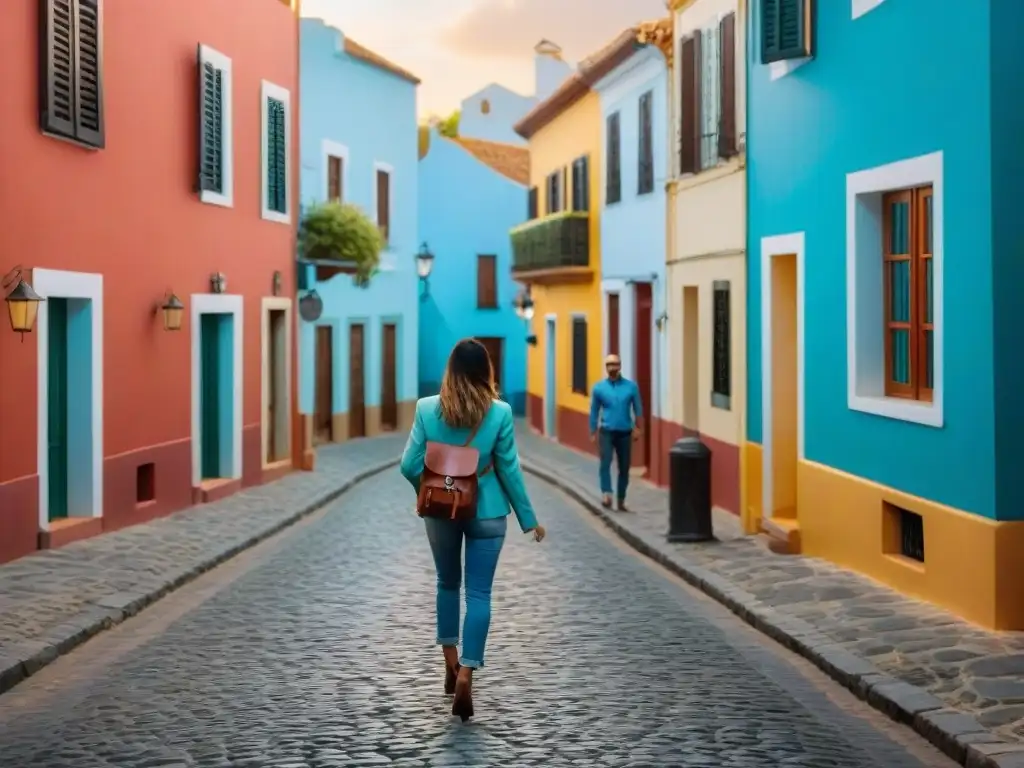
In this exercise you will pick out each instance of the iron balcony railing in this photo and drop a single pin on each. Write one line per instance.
(557, 241)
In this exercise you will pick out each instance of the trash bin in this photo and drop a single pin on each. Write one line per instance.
(689, 498)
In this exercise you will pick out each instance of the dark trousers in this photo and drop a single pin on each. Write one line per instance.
(621, 444)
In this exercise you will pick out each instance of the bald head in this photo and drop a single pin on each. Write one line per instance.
(613, 365)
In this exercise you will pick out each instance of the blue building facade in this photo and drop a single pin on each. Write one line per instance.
(884, 401)
(471, 193)
(634, 112)
(358, 361)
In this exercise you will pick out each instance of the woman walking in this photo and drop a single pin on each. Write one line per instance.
(457, 439)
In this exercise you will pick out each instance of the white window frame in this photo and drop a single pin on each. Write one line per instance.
(865, 328)
(859, 7)
(329, 149)
(269, 91)
(390, 171)
(225, 199)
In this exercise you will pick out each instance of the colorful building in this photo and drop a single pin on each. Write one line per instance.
(135, 184)
(866, 448)
(635, 129)
(471, 193)
(358, 145)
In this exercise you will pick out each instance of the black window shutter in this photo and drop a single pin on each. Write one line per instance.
(579, 355)
(88, 78)
(721, 385)
(211, 115)
(56, 80)
(786, 29)
(531, 203)
(645, 165)
(565, 189)
(613, 181)
(277, 157)
(585, 183)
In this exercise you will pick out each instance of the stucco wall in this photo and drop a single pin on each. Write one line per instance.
(466, 209)
(372, 113)
(504, 108)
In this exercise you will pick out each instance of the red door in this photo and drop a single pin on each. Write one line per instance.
(642, 355)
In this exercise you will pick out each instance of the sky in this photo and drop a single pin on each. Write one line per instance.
(456, 47)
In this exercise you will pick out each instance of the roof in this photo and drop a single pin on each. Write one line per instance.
(590, 70)
(507, 159)
(361, 52)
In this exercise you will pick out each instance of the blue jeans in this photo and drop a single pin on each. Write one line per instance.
(483, 545)
(620, 443)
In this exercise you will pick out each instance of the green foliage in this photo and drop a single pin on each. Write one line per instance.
(342, 232)
(449, 127)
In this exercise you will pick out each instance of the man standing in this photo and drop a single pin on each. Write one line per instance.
(617, 402)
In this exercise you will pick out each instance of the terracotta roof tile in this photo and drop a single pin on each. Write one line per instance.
(507, 159)
(361, 52)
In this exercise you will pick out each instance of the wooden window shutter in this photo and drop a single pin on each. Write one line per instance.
(579, 355)
(645, 148)
(613, 179)
(727, 139)
(384, 204)
(71, 71)
(89, 72)
(787, 30)
(613, 323)
(335, 173)
(690, 106)
(277, 157)
(211, 127)
(565, 189)
(531, 203)
(486, 282)
(721, 354)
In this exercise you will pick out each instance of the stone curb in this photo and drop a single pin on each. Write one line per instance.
(959, 736)
(21, 662)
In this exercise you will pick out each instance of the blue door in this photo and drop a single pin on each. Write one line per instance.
(550, 404)
(57, 408)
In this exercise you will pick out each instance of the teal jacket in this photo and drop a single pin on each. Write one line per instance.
(496, 441)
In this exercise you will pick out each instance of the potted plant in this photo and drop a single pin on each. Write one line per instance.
(341, 233)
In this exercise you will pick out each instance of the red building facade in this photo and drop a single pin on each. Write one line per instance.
(150, 149)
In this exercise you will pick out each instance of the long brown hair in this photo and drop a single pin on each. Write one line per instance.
(467, 388)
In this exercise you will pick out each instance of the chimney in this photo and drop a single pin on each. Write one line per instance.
(549, 69)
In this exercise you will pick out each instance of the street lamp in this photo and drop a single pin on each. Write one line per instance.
(173, 310)
(22, 302)
(424, 266)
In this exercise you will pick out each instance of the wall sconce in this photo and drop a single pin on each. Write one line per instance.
(532, 340)
(173, 311)
(276, 284)
(661, 320)
(424, 266)
(523, 304)
(22, 302)
(218, 282)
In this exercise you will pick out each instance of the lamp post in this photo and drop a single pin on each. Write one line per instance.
(424, 266)
(22, 302)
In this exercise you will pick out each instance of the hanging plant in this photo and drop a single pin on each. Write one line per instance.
(342, 233)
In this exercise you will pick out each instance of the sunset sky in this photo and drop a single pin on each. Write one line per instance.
(458, 46)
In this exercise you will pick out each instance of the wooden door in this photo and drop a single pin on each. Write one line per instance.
(209, 375)
(642, 355)
(356, 381)
(389, 376)
(323, 413)
(494, 350)
(613, 323)
(277, 406)
(57, 408)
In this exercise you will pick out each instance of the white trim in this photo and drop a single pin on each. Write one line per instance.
(642, 68)
(779, 245)
(329, 149)
(208, 55)
(266, 305)
(228, 304)
(865, 348)
(859, 7)
(270, 91)
(55, 283)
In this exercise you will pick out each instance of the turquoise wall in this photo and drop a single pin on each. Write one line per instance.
(882, 88)
(466, 208)
(373, 113)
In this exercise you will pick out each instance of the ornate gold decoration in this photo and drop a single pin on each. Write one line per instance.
(657, 33)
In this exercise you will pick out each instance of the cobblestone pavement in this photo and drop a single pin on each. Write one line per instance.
(968, 669)
(53, 600)
(320, 655)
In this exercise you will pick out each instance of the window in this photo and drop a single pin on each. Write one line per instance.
(613, 323)
(613, 181)
(908, 281)
(276, 146)
(579, 355)
(786, 30)
(216, 184)
(72, 71)
(382, 183)
(707, 128)
(531, 204)
(645, 150)
(721, 364)
(335, 172)
(555, 188)
(486, 282)
(581, 184)
(485, 107)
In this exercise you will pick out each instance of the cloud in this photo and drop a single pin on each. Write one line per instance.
(510, 28)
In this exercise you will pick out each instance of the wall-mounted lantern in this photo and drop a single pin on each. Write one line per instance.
(173, 311)
(218, 282)
(22, 302)
(660, 321)
(424, 266)
(523, 304)
(276, 283)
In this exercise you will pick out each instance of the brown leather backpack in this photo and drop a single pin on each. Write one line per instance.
(449, 483)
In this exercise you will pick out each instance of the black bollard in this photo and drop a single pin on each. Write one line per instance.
(689, 498)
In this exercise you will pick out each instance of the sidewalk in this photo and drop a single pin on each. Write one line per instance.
(957, 685)
(55, 600)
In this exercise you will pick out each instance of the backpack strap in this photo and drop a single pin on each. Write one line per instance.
(472, 434)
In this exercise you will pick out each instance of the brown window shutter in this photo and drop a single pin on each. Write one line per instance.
(727, 145)
(613, 323)
(689, 106)
(383, 203)
(334, 178)
(486, 282)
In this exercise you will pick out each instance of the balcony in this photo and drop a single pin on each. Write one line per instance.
(553, 249)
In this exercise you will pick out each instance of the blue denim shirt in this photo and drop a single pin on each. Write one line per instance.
(612, 400)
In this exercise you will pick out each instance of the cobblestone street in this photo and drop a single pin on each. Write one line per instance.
(315, 650)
